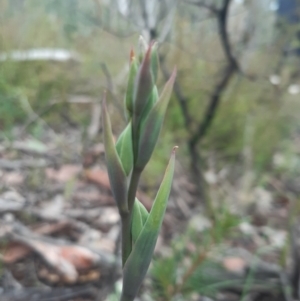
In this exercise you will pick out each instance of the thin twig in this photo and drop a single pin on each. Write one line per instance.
(222, 16)
(210, 112)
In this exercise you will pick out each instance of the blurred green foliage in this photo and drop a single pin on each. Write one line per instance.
(190, 267)
(78, 26)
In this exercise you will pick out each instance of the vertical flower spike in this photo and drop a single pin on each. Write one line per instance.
(151, 126)
(145, 110)
(139, 260)
(130, 85)
(116, 173)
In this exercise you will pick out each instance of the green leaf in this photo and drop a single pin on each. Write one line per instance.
(139, 259)
(151, 126)
(154, 62)
(150, 104)
(124, 149)
(139, 217)
(116, 173)
(144, 212)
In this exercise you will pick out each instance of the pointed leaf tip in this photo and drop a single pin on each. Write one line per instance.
(143, 85)
(132, 55)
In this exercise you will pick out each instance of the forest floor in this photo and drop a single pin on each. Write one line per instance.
(60, 229)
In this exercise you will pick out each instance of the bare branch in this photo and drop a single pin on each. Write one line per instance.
(222, 16)
(227, 73)
(213, 105)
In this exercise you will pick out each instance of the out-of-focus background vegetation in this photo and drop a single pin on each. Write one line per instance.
(234, 112)
(251, 122)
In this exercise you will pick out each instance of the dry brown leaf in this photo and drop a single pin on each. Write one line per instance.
(14, 252)
(234, 264)
(91, 156)
(64, 174)
(93, 197)
(13, 178)
(46, 228)
(106, 244)
(98, 176)
(80, 257)
(51, 254)
(67, 260)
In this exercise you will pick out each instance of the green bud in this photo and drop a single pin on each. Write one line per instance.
(116, 173)
(151, 126)
(143, 86)
(130, 85)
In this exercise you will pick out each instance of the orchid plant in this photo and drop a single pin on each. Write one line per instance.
(126, 159)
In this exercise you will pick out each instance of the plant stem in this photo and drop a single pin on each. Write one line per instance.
(126, 218)
(124, 298)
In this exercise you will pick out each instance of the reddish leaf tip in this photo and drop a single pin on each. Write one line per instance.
(132, 55)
